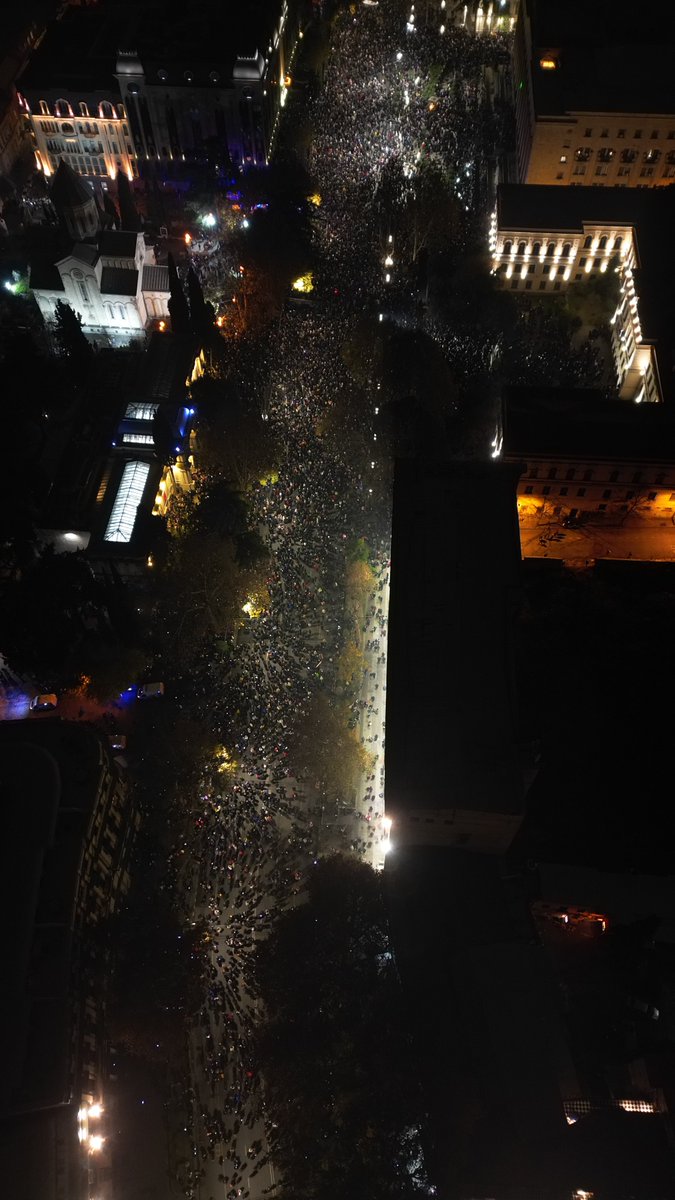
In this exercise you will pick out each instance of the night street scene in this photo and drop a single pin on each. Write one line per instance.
(337, 600)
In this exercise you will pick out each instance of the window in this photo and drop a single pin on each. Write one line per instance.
(521, 247)
(106, 110)
(583, 154)
(556, 287)
(529, 490)
(546, 490)
(120, 526)
(140, 411)
(602, 244)
(588, 133)
(577, 277)
(624, 171)
(660, 477)
(613, 476)
(581, 491)
(514, 284)
(536, 247)
(637, 477)
(563, 158)
(617, 242)
(628, 156)
(542, 286)
(602, 170)
(582, 261)
(84, 291)
(533, 473)
(638, 133)
(588, 242)
(602, 508)
(550, 250)
(654, 135)
(604, 133)
(630, 495)
(84, 111)
(567, 250)
(652, 156)
(646, 172)
(621, 133)
(671, 135)
(588, 475)
(560, 175)
(564, 491)
(138, 439)
(651, 496)
(528, 285)
(552, 473)
(606, 495)
(507, 246)
(44, 108)
(570, 473)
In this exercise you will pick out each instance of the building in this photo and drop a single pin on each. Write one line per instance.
(546, 239)
(585, 457)
(124, 457)
(594, 103)
(112, 89)
(110, 277)
(454, 774)
(70, 824)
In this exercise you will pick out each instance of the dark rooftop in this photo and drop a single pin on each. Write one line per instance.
(117, 243)
(609, 61)
(44, 275)
(80, 50)
(540, 421)
(451, 720)
(118, 281)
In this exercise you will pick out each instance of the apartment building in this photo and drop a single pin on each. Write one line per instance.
(116, 87)
(546, 239)
(593, 99)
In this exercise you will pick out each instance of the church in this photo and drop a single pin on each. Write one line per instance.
(110, 277)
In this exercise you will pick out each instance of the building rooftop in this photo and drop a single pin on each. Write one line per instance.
(117, 243)
(580, 423)
(155, 279)
(451, 713)
(80, 50)
(607, 60)
(118, 281)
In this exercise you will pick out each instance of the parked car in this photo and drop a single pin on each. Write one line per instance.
(43, 702)
(150, 691)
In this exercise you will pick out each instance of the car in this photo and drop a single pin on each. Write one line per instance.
(43, 702)
(150, 691)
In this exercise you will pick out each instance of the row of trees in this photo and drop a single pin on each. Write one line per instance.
(334, 1050)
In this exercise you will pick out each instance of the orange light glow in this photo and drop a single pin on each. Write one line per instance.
(548, 64)
(188, 239)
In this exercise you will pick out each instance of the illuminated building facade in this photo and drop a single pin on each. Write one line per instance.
(585, 457)
(546, 239)
(177, 101)
(592, 91)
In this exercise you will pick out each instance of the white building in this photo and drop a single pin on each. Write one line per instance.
(114, 283)
(110, 277)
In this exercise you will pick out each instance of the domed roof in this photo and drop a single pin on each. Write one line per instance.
(69, 190)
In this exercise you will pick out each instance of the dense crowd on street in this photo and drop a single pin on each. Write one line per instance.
(255, 832)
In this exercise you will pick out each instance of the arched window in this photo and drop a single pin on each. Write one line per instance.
(603, 242)
(62, 109)
(550, 250)
(67, 127)
(44, 108)
(507, 246)
(587, 242)
(521, 247)
(536, 248)
(106, 111)
(84, 111)
(122, 311)
(567, 250)
(617, 242)
(121, 112)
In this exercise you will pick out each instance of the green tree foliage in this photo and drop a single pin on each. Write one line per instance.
(233, 441)
(334, 1050)
(324, 750)
(70, 339)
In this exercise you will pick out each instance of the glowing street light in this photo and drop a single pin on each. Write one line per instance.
(209, 220)
(95, 1142)
(95, 1110)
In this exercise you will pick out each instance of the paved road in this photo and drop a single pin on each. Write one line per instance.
(641, 541)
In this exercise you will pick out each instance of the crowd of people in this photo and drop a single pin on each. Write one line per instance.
(255, 834)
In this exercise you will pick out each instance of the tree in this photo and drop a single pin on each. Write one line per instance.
(178, 305)
(325, 750)
(70, 339)
(129, 218)
(200, 313)
(339, 1082)
(109, 208)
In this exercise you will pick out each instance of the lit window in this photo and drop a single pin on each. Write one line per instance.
(138, 439)
(139, 411)
(547, 63)
(120, 527)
